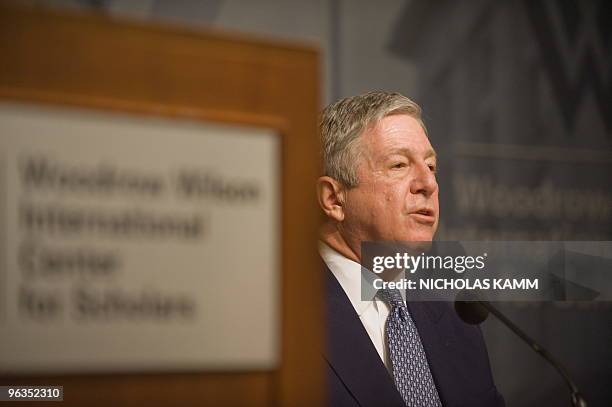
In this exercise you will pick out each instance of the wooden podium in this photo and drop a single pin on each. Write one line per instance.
(100, 63)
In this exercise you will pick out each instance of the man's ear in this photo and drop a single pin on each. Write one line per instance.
(331, 196)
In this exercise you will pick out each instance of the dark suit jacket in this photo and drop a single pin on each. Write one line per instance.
(357, 377)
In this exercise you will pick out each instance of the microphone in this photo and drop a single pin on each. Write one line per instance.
(476, 311)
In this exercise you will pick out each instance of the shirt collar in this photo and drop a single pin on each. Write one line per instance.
(349, 275)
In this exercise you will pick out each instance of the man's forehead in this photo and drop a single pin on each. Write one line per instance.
(401, 134)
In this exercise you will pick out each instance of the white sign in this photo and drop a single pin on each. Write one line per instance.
(130, 243)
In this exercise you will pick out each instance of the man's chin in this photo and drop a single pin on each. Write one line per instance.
(419, 234)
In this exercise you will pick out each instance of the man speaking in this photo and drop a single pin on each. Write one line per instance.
(380, 185)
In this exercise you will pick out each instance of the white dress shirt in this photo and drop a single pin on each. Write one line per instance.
(372, 312)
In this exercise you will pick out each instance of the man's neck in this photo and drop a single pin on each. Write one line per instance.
(331, 236)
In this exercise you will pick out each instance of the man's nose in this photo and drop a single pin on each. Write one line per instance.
(424, 181)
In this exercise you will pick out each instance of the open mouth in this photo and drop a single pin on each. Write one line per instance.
(424, 215)
(425, 211)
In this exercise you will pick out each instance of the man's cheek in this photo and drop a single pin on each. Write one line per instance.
(391, 193)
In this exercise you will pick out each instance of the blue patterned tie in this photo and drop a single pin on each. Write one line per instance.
(410, 368)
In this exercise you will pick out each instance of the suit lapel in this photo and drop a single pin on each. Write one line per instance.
(352, 355)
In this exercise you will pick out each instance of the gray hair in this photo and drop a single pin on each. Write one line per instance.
(343, 122)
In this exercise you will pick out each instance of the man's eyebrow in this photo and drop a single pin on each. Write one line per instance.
(406, 151)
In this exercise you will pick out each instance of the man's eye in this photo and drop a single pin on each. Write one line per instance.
(433, 168)
(399, 165)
